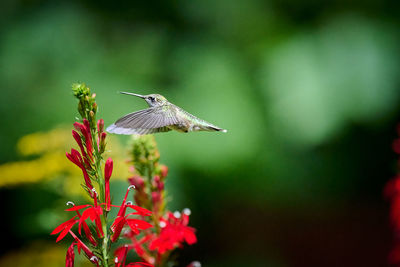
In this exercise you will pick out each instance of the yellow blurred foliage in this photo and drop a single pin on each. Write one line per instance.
(47, 150)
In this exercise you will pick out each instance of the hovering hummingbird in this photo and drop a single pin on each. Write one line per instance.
(161, 116)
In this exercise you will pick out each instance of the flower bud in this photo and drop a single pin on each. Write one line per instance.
(156, 197)
(157, 183)
(164, 171)
(137, 181)
(102, 142)
(100, 126)
(108, 168)
(94, 107)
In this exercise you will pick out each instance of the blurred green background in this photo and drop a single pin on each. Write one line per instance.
(308, 90)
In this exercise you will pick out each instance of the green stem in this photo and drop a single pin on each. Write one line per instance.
(102, 199)
(105, 241)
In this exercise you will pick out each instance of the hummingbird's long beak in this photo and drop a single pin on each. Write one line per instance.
(126, 93)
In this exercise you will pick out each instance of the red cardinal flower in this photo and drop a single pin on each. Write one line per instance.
(86, 228)
(134, 224)
(64, 228)
(174, 231)
(122, 219)
(93, 213)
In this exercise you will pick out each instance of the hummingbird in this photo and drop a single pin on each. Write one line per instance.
(161, 116)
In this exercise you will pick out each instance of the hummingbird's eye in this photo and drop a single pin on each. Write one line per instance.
(151, 98)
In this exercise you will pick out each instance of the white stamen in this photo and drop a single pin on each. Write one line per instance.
(129, 203)
(177, 214)
(131, 186)
(196, 264)
(162, 224)
(70, 203)
(94, 190)
(116, 260)
(126, 231)
(187, 211)
(94, 259)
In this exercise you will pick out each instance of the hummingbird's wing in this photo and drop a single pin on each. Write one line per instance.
(146, 121)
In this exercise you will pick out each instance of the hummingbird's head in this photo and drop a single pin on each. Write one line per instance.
(153, 100)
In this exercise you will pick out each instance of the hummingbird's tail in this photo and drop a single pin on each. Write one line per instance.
(213, 128)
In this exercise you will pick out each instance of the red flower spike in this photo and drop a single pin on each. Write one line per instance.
(107, 175)
(70, 257)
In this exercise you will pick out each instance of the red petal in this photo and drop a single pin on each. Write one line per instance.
(139, 264)
(88, 233)
(99, 227)
(77, 207)
(78, 140)
(138, 224)
(108, 197)
(142, 211)
(108, 169)
(118, 225)
(189, 235)
(69, 260)
(85, 214)
(65, 231)
(120, 256)
(100, 125)
(63, 225)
